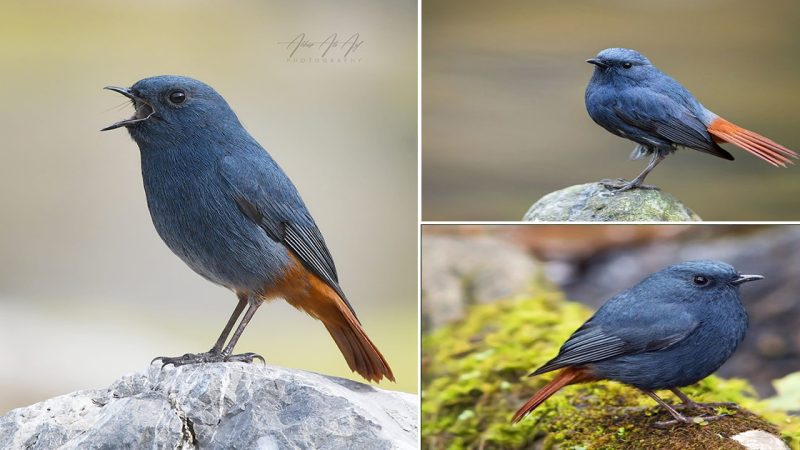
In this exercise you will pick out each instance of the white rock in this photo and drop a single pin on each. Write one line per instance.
(760, 440)
(230, 405)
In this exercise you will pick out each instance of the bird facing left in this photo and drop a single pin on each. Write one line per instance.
(224, 206)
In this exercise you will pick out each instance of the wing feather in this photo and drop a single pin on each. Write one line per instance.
(593, 342)
(669, 120)
(276, 207)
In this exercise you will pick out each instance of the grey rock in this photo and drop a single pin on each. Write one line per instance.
(760, 440)
(461, 271)
(229, 405)
(593, 202)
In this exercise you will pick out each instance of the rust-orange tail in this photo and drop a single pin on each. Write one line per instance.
(765, 148)
(567, 376)
(360, 353)
(306, 291)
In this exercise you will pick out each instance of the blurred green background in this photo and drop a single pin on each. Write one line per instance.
(504, 121)
(88, 292)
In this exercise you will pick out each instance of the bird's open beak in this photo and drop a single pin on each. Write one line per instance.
(143, 109)
(597, 62)
(745, 278)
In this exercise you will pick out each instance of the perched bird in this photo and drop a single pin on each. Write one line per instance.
(673, 329)
(225, 207)
(631, 98)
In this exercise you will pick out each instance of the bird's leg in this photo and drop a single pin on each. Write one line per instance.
(216, 354)
(679, 418)
(231, 322)
(636, 183)
(689, 403)
(244, 357)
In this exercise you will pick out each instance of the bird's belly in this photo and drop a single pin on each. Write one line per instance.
(215, 240)
(652, 371)
(601, 111)
(601, 108)
(681, 365)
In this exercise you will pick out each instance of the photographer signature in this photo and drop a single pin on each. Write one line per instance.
(330, 47)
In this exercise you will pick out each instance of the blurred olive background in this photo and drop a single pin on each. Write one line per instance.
(466, 265)
(88, 292)
(503, 113)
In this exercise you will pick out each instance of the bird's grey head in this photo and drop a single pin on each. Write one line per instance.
(622, 62)
(693, 278)
(170, 107)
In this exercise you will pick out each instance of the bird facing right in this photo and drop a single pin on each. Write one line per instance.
(674, 328)
(629, 97)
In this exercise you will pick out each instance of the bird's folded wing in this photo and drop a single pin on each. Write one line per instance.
(277, 208)
(659, 114)
(657, 329)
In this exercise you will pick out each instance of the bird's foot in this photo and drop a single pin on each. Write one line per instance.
(681, 419)
(246, 358)
(696, 405)
(207, 357)
(622, 185)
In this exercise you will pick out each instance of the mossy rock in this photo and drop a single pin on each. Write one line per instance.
(474, 377)
(594, 202)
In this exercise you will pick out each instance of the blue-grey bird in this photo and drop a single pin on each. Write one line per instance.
(225, 207)
(673, 329)
(628, 96)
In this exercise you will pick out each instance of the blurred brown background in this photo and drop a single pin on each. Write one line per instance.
(464, 265)
(88, 292)
(504, 121)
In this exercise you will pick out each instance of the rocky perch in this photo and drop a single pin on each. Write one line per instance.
(594, 202)
(226, 405)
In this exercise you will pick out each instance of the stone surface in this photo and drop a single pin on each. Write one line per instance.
(593, 202)
(230, 405)
(461, 271)
(760, 440)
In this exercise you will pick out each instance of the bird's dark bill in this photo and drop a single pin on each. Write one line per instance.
(597, 63)
(143, 109)
(747, 278)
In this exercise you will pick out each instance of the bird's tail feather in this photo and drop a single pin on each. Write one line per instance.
(567, 376)
(360, 353)
(765, 148)
(307, 292)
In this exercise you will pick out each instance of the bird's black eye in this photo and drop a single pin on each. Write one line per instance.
(700, 280)
(177, 97)
(627, 65)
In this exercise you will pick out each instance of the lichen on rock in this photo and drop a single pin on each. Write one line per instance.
(475, 376)
(593, 202)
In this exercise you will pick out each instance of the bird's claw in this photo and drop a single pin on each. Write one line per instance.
(622, 185)
(696, 405)
(246, 357)
(207, 357)
(188, 358)
(686, 420)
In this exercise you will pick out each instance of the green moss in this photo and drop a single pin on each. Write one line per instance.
(475, 376)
